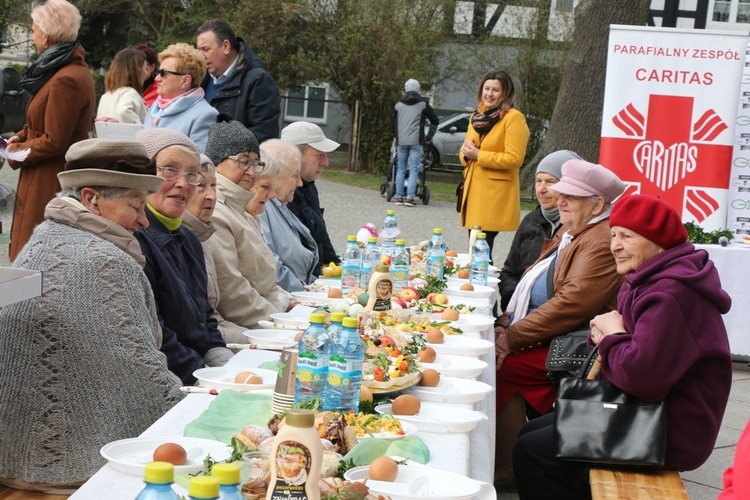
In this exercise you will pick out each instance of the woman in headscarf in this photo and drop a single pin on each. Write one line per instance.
(59, 113)
(81, 363)
(294, 248)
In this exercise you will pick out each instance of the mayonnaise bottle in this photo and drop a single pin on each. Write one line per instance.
(296, 458)
(380, 290)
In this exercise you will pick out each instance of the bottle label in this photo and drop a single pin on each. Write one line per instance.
(341, 371)
(436, 266)
(293, 463)
(311, 368)
(400, 272)
(383, 292)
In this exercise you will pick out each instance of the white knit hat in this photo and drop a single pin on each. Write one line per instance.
(411, 85)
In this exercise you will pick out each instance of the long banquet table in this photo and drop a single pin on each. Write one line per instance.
(470, 454)
(733, 264)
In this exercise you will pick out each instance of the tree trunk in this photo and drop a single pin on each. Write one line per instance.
(577, 120)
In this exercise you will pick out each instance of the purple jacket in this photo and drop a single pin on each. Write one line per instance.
(676, 348)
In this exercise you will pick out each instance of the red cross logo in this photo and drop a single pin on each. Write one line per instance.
(670, 156)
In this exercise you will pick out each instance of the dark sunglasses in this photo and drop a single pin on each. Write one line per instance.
(163, 72)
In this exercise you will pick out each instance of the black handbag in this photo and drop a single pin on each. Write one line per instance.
(597, 422)
(459, 196)
(567, 353)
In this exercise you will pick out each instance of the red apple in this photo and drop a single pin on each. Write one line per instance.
(448, 262)
(401, 303)
(441, 298)
(431, 297)
(409, 294)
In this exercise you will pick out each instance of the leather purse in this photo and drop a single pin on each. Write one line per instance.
(598, 423)
(459, 196)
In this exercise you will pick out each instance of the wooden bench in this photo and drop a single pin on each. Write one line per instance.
(628, 485)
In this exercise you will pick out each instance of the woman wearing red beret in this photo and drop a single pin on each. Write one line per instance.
(666, 341)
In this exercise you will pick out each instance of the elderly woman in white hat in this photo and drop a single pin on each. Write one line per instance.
(175, 263)
(574, 279)
(81, 363)
(245, 266)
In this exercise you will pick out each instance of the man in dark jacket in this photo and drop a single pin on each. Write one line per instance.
(540, 224)
(314, 146)
(236, 83)
(409, 117)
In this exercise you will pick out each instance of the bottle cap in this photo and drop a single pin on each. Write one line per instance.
(337, 317)
(400, 242)
(372, 239)
(159, 473)
(204, 487)
(482, 235)
(226, 473)
(438, 231)
(382, 269)
(390, 212)
(300, 418)
(350, 323)
(317, 318)
(351, 237)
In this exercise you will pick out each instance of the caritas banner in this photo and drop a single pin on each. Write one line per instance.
(670, 106)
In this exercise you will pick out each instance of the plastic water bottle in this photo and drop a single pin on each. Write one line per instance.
(335, 328)
(370, 259)
(312, 361)
(390, 231)
(351, 263)
(480, 261)
(400, 266)
(158, 477)
(345, 369)
(436, 254)
(204, 488)
(228, 476)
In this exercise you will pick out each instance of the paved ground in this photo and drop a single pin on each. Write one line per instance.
(348, 208)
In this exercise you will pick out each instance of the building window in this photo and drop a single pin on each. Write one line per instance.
(564, 6)
(307, 103)
(728, 13)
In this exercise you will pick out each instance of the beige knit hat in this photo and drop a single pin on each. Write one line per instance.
(156, 139)
(109, 163)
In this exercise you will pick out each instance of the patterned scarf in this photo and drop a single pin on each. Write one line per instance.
(484, 121)
(47, 65)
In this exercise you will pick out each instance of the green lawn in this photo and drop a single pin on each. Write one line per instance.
(442, 190)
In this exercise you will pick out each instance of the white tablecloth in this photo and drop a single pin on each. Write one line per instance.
(467, 454)
(733, 263)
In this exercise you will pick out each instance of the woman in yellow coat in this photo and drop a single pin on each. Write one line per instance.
(492, 155)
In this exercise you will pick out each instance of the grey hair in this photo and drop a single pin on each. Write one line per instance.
(272, 168)
(181, 147)
(106, 192)
(287, 156)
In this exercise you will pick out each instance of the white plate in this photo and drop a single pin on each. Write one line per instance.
(131, 455)
(456, 282)
(220, 377)
(452, 390)
(272, 339)
(479, 292)
(291, 321)
(408, 429)
(457, 366)
(315, 299)
(461, 345)
(434, 417)
(417, 481)
(473, 322)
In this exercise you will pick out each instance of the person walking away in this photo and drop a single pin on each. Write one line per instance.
(409, 116)
(236, 82)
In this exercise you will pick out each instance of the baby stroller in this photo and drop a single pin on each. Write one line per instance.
(388, 188)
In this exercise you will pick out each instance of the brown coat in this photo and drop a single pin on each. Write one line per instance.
(585, 283)
(58, 115)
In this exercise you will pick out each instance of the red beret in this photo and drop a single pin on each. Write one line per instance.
(652, 218)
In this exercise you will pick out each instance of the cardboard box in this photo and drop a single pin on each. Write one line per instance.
(19, 284)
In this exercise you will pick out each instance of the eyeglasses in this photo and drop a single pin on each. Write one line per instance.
(172, 174)
(163, 72)
(245, 162)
